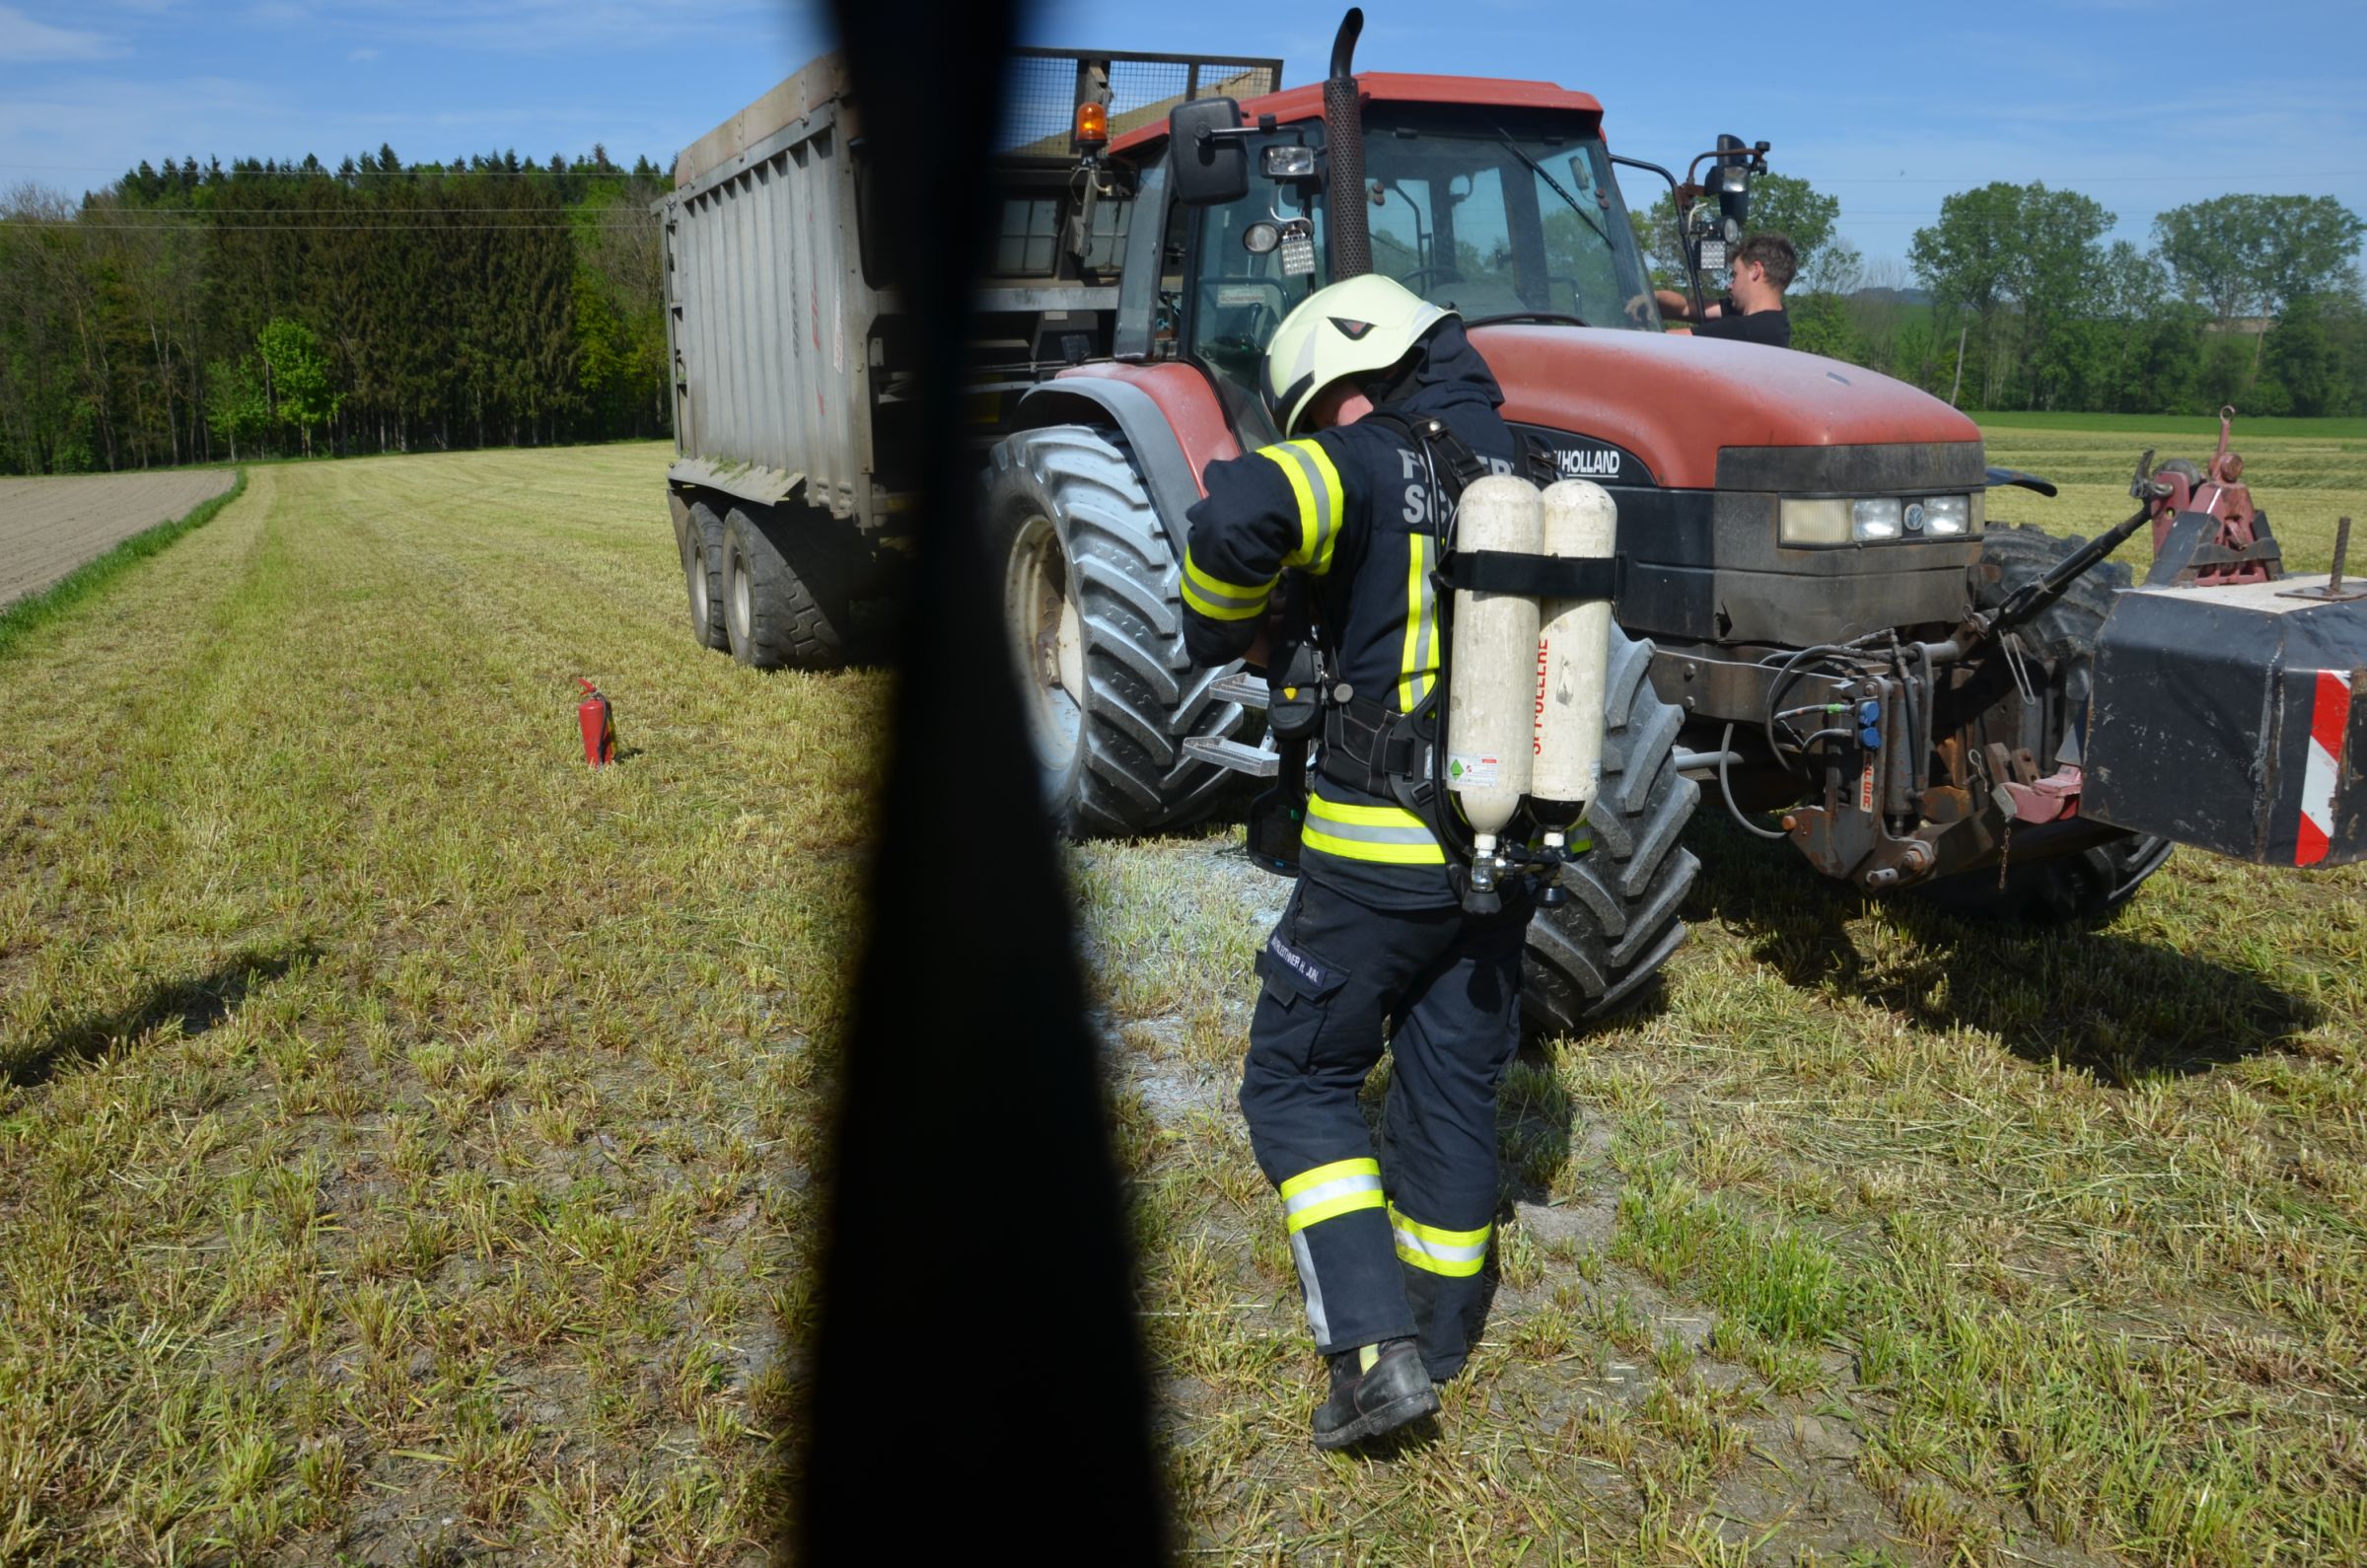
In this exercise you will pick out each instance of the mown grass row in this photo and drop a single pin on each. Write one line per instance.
(404, 1129)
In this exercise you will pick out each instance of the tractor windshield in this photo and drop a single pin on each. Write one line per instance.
(1491, 219)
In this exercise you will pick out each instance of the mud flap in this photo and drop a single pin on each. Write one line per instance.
(2234, 719)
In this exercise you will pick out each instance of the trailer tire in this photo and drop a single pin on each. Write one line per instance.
(702, 575)
(2093, 883)
(774, 617)
(1092, 608)
(1628, 891)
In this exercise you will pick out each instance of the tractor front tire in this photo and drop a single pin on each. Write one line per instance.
(2089, 885)
(702, 575)
(1094, 612)
(775, 617)
(1627, 892)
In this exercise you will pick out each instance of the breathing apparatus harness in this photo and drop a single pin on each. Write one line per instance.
(1371, 748)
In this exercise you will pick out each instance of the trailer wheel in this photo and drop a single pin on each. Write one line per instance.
(2094, 881)
(702, 575)
(773, 616)
(1093, 608)
(1622, 921)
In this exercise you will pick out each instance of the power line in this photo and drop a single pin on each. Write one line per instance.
(103, 216)
(288, 228)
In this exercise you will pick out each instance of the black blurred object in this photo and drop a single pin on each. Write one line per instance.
(978, 1374)
(2015, 476)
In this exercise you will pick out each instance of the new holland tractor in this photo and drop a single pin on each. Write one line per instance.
(1816, 613)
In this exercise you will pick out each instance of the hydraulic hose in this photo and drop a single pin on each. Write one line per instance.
(1726, 792)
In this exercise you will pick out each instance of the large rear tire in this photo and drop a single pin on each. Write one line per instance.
(1627, 892)
(2094, 881)
(774, 617)
(1093, 608)
(702, 575)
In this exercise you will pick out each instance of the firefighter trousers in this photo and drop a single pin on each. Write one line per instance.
(1392, 1241)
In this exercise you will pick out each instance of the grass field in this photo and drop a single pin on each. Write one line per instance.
(2304, 474)
(404, 1137)
(2180, 432)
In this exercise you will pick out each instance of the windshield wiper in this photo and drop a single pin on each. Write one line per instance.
(1538, 169)
(1528, 316)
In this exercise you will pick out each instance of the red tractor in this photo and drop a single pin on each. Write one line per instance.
(1816, 614)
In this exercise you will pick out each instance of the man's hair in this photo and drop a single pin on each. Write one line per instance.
(1772, 251)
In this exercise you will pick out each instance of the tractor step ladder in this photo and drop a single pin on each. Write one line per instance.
(1240, 686)
(1256, 761)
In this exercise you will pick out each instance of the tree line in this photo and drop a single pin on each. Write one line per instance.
(190, 314)
(2021, 302)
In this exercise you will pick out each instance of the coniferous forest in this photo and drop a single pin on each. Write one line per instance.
(194, 313)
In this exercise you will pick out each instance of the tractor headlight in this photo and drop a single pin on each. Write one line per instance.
(1876, 520)
(1812, 521)
(1943, 516)
(1873, 520)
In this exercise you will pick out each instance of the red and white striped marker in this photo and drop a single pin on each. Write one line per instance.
(2330, 720)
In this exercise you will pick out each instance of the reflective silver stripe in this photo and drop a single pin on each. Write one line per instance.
(1316, 1323)
(1338, 1187)
(1321, 494)
(1441, 1252)
(1370, 833)
(1201, 590)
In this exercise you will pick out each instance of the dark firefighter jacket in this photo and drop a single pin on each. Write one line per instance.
(1357, 509)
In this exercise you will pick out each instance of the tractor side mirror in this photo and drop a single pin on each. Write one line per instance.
(1731, 178)
(1206, 152)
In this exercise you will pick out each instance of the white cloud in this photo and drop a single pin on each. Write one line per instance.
(23, 40)
(362, 56)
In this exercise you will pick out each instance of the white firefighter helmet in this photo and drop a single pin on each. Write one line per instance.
(1351, 328)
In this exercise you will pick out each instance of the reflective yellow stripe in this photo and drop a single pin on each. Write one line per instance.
(1432, 1233)
(1219, 600)
(1323, 1174)
(1330, 1191)
(1333, 1209)
(1218, 587)
(1362, 816)
(1339, 495)
(1457, 1255)
(1386, 835)
(1315, 485)
(1418, 665)
(1217, 611)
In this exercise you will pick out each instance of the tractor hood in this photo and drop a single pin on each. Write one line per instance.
(1674, 401)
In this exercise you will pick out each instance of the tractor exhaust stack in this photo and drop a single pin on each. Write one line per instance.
(1344, 136)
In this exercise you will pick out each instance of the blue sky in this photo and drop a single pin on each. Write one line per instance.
(2141, 104)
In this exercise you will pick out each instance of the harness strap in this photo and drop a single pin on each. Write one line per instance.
(1546, 576)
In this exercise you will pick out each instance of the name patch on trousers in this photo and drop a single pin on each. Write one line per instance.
(1305, 967)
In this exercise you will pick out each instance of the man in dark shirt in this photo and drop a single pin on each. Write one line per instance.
(1753, 312)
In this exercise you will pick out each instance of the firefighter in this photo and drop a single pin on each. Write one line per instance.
(1389, 1244)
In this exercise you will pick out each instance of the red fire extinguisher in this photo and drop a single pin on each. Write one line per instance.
(598, 726)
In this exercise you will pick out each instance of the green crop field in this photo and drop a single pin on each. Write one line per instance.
(2189, 434)
(406, 1131)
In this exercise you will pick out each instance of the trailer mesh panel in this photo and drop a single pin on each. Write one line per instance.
(1040, 93)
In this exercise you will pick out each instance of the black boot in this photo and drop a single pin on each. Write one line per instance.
(1368, 1401)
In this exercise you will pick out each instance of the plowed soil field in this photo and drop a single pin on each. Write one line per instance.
(49, 527)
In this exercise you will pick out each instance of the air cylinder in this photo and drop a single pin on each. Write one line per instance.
(1491, 722)
(1573, 657)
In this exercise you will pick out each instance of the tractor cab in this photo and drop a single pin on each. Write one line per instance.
(1501, 207)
